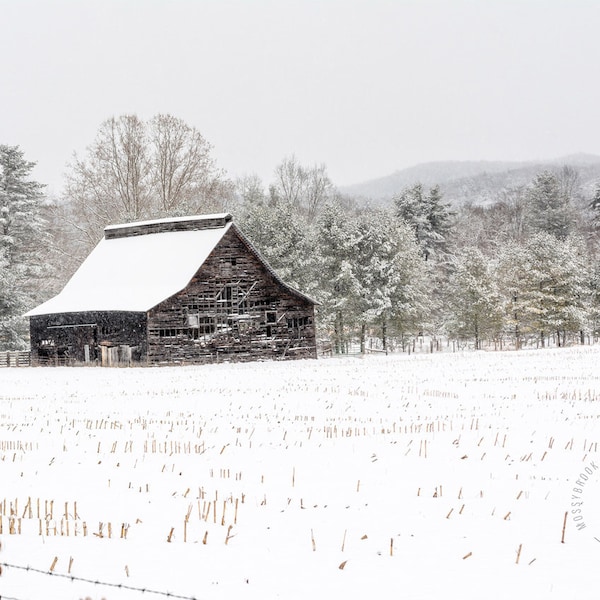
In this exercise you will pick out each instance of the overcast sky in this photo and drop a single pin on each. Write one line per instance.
(366, 87)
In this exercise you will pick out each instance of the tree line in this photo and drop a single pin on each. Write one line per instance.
(518, 271)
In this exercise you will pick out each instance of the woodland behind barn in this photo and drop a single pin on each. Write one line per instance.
(173, 291)
(504, 259)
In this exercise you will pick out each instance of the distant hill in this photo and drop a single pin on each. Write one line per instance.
(478, 182)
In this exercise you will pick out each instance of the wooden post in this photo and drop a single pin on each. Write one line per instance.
(562, 541)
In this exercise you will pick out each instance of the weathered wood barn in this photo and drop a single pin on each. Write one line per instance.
(181, 290)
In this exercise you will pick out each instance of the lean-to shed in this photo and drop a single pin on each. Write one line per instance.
(179, 290)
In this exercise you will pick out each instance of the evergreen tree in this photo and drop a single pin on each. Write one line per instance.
(514, 280)
(474, 300)
(593, 300)
(428, 216)
(560, 275)
(12, 304)
(594, 205)
(339, 288)
(391, 275)
(549, 206)
(284, 238)
(372, 274)
(22, 261)
(439, 217)
(547, 286)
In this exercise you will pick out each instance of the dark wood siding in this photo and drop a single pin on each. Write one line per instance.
(233, 309)
(62, 338)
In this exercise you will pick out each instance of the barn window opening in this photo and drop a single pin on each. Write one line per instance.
(199, 326)
(298, 322)
(271, 317)
(169, 333)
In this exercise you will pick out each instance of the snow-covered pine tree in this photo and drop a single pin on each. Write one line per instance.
(549, 206)
(594, 204)
(546, 285)
(22, 262)
(393, 275)
(428, 215)
(473, 299)
(338, 287)
(284, 238)
(515, 282)
(561, 285)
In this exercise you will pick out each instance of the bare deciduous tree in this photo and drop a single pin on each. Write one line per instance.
(111, 183)
(318, 189)
(135, 170)
(185, 175)
(303, 188)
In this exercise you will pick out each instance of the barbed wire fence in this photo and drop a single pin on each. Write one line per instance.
(95, 582)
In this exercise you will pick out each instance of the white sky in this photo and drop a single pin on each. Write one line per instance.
(366, 87)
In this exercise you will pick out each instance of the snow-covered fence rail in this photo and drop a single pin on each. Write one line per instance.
(15, 358)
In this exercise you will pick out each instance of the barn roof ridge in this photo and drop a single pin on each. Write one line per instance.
(167, 224)
(199, 217)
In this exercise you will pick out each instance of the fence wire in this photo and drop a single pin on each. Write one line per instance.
(73, 578)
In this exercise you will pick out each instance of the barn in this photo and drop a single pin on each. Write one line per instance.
(173, 291)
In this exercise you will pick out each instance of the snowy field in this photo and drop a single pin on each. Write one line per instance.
(424, 476)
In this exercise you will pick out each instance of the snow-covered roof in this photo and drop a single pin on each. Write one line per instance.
(138, 271)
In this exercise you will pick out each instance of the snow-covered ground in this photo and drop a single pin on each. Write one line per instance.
(424, 476)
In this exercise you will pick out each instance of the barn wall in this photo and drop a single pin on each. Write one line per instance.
(62, 338)
(233, 309)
